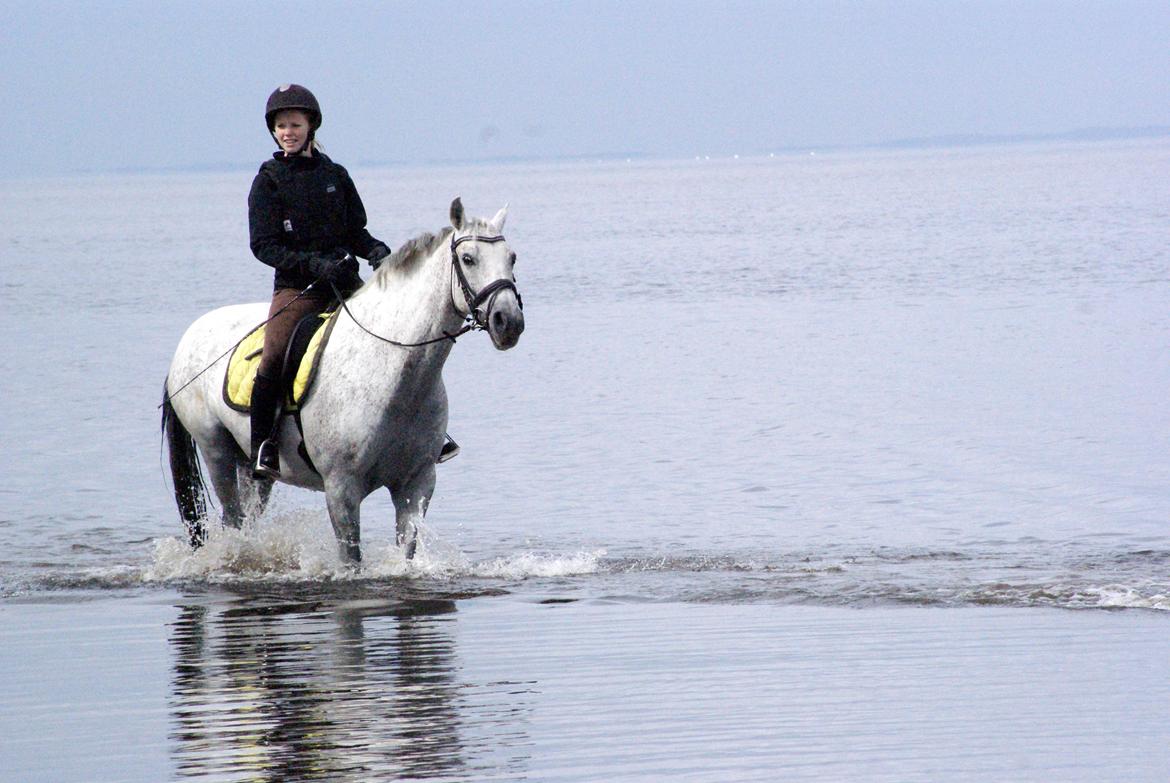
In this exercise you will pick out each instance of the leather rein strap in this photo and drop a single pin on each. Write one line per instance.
(446, 335)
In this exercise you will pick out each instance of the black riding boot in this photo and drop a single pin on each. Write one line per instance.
(265, 403)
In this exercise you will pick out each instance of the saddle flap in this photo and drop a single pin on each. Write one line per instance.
(300, 363)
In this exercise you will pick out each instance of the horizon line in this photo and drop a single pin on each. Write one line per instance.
(942, 141)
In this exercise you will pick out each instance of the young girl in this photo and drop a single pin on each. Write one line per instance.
(306, 220)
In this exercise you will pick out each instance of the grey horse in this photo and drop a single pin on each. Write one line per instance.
(377, 414)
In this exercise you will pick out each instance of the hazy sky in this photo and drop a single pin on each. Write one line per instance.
(113, 85)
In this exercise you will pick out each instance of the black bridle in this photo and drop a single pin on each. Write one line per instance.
(474, 300)
(488, 292)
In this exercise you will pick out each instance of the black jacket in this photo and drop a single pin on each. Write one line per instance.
(301, 207)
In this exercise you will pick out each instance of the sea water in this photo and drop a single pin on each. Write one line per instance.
(753, 397)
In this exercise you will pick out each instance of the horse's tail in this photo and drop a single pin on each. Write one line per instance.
(186, 473)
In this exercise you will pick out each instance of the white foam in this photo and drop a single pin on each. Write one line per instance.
(1123, 597)
(291, 547)
(434, 559)
(299, 546)
(537, 564)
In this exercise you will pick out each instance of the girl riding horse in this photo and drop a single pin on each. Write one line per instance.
(306, 220)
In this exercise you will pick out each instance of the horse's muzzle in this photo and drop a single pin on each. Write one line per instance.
(505, 321)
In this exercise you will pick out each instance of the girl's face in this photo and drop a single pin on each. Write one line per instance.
(291, 129)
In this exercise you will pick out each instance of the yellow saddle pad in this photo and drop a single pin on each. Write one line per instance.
(245, 360)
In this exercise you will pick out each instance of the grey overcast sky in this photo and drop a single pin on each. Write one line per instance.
(98, 86)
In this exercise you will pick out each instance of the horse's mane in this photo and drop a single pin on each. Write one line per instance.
(411, 252)
(414, 251)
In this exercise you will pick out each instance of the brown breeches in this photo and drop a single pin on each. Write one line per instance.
(282, 323)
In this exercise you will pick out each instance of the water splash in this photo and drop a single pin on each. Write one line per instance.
(293, 548)
(1122, 597)
(540, 564)
(298, 548)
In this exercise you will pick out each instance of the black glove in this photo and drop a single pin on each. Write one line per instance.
(337, 266)
(345, 269)
(377, 255)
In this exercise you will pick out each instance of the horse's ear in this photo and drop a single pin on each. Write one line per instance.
(457, 214)
(498, 220)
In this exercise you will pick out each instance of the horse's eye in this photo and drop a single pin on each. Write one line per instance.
(468, 259)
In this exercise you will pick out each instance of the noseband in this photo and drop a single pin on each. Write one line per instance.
(488, 292)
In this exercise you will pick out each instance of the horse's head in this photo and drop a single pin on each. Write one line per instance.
(484, 284)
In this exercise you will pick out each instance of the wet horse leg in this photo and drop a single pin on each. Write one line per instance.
(410, 505)
(221, 458)
(254, 492)
(344, 503)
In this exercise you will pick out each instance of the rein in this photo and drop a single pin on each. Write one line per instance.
(446, 335)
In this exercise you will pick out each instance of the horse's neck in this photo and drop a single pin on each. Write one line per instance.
(406, 304)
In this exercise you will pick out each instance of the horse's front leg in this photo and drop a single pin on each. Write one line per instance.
(344, 501)
(410, 506)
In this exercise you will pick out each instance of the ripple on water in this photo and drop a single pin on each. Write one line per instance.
(298, 551)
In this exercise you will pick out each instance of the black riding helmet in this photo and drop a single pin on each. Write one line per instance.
(293, 96)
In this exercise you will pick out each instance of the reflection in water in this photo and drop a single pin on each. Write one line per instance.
(273, 688)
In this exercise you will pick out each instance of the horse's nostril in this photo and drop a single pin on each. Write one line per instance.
(498, 321)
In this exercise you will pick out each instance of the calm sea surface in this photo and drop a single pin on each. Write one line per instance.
(799, 472)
